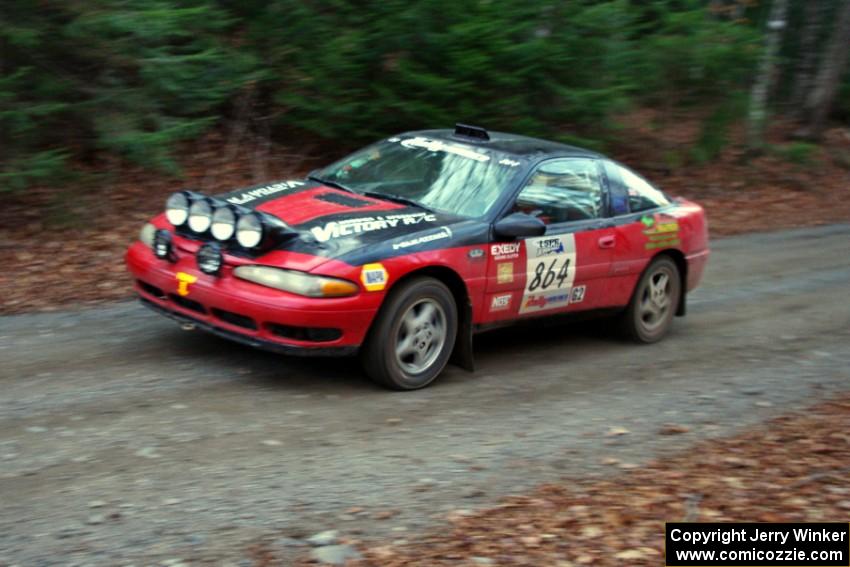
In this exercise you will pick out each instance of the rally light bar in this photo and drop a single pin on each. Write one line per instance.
(202, 216)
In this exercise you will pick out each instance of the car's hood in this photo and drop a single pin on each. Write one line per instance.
(354, 228)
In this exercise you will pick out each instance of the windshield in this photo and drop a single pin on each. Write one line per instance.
(440, 175)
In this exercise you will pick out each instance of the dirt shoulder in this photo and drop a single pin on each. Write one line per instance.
(794, 468)
(63, 248)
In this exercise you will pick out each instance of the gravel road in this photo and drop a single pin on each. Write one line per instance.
(126, 440)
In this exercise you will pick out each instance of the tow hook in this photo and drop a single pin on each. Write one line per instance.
(187, 326)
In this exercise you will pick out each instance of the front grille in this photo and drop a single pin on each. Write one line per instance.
(188, 303)
(151, 289)
(235, 319)
(309, 334)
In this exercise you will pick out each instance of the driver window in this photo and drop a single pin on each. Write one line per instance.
(563, 190)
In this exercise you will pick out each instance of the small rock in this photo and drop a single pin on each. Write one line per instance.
(482, 560)
(36, 429)
(289, 542)
(385, 514)
(673, 429)
(617, 432)
(474, 493)
(763, 404)
(178, 406)
(327, 537)
(394, 421)
(610, 461)
(96, 519)
(272, 443)
(171, 501)
(629, 554)
(148, 453)
(97, 504)
(335, 554)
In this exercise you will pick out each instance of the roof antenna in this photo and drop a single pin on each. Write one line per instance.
(468, 131)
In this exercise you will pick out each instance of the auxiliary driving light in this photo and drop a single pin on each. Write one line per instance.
(177, 208)
(200, 216)
(249, 230)
(209, 258)
(162, 245)
(223, 223)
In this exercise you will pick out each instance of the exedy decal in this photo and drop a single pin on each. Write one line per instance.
(349, 227)
(505, 251)
(254, 194)
(444, 232)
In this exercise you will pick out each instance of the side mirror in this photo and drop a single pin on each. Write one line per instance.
(517, 225)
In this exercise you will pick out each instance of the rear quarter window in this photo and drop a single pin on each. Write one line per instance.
(642, 196)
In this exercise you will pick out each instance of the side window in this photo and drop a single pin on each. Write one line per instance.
(562, 190)
(642, 195)
(618, 196)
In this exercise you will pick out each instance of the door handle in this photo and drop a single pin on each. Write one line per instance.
(607, 241)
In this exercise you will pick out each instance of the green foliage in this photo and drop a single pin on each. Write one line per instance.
(131, 78)
(799, 153)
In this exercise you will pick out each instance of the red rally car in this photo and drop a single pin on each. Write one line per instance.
(402, 251)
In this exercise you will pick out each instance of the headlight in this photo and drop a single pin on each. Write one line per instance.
(200, 216)
(249, 230)
(146, 235)
(296, 282)
(223, 223)
(177, 208)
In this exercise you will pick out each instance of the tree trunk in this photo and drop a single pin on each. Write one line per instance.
(828, 80)
(766, 70)
(808, 54)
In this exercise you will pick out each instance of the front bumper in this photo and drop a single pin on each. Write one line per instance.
(249, 313)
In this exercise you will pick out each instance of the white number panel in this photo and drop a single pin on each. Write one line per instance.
(550, 272)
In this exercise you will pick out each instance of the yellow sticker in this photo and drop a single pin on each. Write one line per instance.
(374, 277)
(184, 280)
(505, 273)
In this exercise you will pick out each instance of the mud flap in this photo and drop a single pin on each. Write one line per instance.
(462, 354)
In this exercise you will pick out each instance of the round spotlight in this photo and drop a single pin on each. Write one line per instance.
(209, 258)
(249, 230)
(177, 209)
(162, 246)
(200, 216)
(223, 223)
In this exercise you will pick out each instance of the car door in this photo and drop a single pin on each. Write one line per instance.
(642, 227)
(566, 269)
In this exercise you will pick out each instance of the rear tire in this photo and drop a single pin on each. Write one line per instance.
(650, 313)
(413, 336)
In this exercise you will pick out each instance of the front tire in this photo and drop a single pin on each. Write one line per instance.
(413, 336)
(650, 313)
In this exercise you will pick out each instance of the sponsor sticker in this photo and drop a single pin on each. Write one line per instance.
(475, 254)
(550, 272)
(506, 251)
(444, 232)
(505, 273)
(577, 294)
(500, 302)
(661, 231)
(374, 277)
(349, 227)
(184, 280)
(254, 194)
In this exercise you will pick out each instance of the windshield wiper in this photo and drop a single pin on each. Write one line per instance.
(397, 199)
(330, 183)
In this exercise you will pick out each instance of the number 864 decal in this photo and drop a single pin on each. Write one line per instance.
(550, 272)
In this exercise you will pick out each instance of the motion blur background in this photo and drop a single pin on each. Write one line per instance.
(106, 106)
(123, 440)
